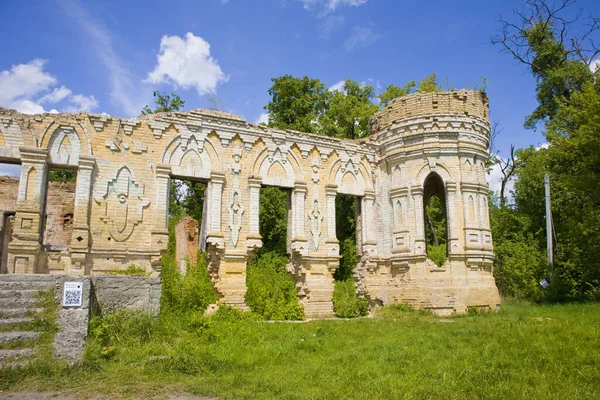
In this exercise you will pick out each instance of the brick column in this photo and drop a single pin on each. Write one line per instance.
(299, 242)
(80, 238)
(417, 198)
(400, 232)
(369, 244)
(254, 240)
(215, 234)
(160, 233)
(24, 251)
(331, 241)
(451, 218)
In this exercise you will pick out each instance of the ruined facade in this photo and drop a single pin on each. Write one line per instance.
(420, 145)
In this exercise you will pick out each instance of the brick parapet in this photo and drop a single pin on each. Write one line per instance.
(457, 102)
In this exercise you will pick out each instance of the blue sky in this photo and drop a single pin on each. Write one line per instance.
(108, 56)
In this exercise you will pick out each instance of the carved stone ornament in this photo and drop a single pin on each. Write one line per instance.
(123, 203)
(235, 212)
(316, 220)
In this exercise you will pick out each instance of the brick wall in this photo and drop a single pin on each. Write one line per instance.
(59, 213)
(461, 102)
(9, 188)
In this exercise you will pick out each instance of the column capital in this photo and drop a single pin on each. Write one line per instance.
(217, 177)
(451, 187)
(254, 182)
(369, 194)
(87, 162)
(300, 186)
(33, 155)
(331, 189)
(163, 170)
(396, 192)
(416, 190)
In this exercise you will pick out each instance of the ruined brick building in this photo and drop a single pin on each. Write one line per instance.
(420, 145)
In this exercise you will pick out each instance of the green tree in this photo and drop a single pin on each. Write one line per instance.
(273, 220)
(62, 175)
(297, 103)
(348, 113)
(164, 103)
(392, 91)
(428, 84)
(546, 40)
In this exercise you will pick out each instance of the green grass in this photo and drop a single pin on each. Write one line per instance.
(524, 351)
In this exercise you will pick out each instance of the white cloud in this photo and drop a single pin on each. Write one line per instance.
(361, 36)
(123, 92)
(27, 107)
(56, 95)
(337, 87)
(187, 62)
(82, 103)
(25, 87)
(328, 6)
(595, 65)
(24, 81)
(329, 25)
(262, 118)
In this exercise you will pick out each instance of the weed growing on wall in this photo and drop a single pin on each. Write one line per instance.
(192, 292)
(345, 302)
(437, 254)
(271, 290)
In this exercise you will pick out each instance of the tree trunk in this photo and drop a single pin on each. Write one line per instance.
(433, 231)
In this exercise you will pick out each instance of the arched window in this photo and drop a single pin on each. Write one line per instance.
(435, 219)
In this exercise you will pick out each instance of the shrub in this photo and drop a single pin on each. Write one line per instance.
(271, 290)
(437, 254)
(345, 302)
(192, 292)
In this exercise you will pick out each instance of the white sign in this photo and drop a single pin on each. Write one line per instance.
(73, 294)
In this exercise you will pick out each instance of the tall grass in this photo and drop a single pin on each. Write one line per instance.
(524, 351)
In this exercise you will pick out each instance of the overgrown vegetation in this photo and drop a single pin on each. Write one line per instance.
(345, 302)
(559, 51)
(191, 292)
(271, 290)
(435, 230)
(523, 351)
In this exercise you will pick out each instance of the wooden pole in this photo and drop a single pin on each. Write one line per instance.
(550, 251)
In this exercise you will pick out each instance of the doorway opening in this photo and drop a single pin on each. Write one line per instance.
(187, 230)
(348, 221)
(435, 219)
(271, 290)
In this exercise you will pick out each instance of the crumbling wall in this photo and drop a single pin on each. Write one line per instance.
(9, 188)
(186, 242)
(59, 213)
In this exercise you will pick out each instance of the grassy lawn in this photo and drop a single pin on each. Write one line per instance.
(524, 351)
